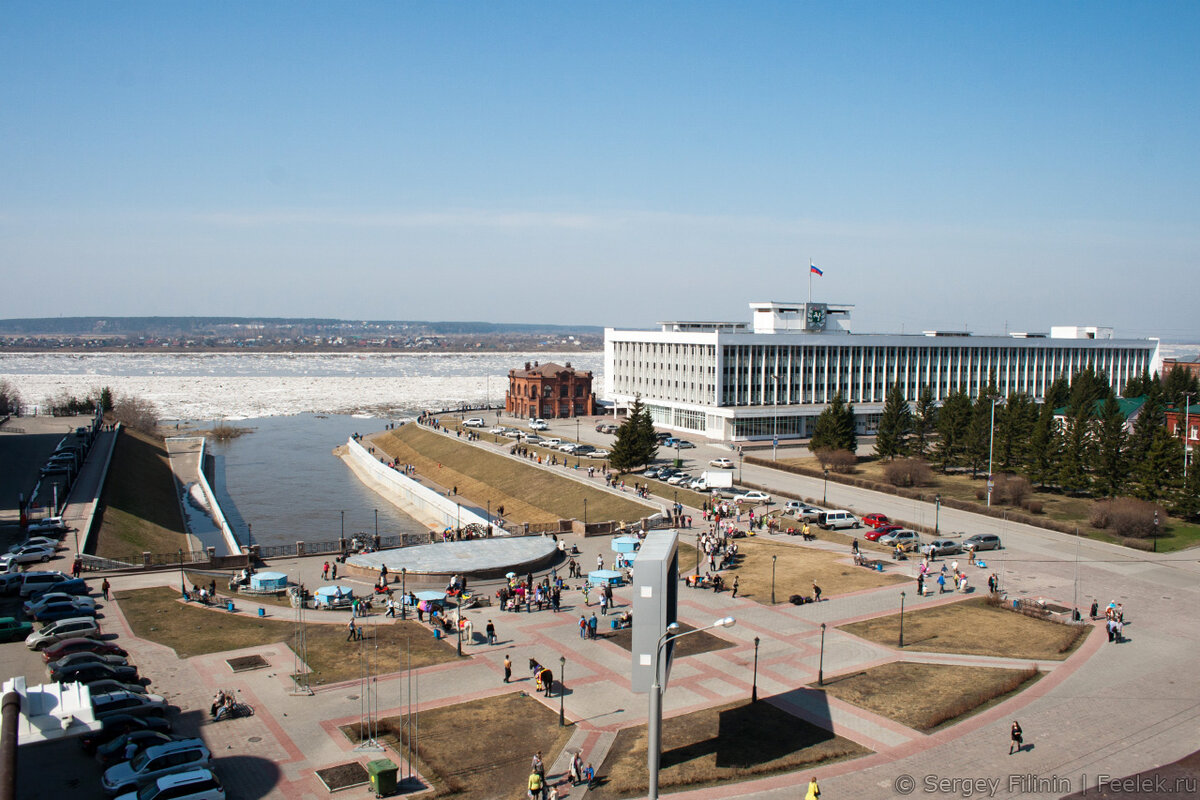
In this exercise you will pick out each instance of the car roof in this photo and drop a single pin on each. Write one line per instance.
(184, 778)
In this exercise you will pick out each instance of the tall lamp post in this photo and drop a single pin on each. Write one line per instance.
(1187, 413)
(562, 690)
(773, 560)
(377, 523)
(1155, 532)
(991, 441)
(182, 583)
(585, 511)
(821, 663)
(403, 594)
(902, 619)
(342, 535)
(654, 723)
(937, 514)
(754, 685)
(825, 494)
(775, 420)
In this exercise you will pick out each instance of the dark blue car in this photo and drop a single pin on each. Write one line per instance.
(64, 610)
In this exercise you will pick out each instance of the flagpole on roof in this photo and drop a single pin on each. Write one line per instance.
(810, 266)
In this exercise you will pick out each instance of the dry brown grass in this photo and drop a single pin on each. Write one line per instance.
(972, 627)
(796, 569)
(482, 748)
(156, 614)
(529, 493)
(718, 745)
(139, 508)
(928, 696)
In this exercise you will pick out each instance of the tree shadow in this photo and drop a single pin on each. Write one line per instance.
(750, 735)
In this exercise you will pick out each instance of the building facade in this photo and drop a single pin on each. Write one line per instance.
(549, 390)
(1192, 365)
(774, 376)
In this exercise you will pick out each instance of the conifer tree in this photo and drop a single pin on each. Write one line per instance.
(924, 423)
(1072, 470)
(1014, 425)
(834, 428)
(954, 421)
(1111, 469)
(635, 444)
(1045, 447)
(895, 425)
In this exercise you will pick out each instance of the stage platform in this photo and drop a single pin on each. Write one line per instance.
(477, 558)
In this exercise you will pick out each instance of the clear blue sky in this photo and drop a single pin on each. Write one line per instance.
(946, 164)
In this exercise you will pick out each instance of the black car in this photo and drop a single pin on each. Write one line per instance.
(120, 724)
(117, 750)
(87, 673)
(107, 685)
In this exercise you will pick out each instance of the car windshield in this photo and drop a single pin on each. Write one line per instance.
(148, 792)
(138, 762)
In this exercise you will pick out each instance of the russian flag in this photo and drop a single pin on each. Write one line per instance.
(812, 268)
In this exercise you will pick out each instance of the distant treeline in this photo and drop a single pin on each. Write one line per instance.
(167, 326)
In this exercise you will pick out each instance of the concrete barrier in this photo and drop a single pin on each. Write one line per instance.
(215, 507)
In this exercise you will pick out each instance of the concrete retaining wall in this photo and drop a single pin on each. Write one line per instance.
(418, 500)
(217, 514)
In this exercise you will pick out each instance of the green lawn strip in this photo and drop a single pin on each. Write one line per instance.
(481, 748)
(529, 493)
(972, 627)
(140, 503)
(928, 696)
(718, 745)
(157, 615)
(796, 569)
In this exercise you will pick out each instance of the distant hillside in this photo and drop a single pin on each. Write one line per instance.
(199, 326)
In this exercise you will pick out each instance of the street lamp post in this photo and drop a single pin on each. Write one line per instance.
(991, 440)
(754, 685)
(562, 690)
(775, 420)
(489, 517)
(773, 560)
(821, 663)
(740, 456)
(377, 524)
(1156, 531)
(342, 535)
(403, 594)
(182, 583)
(585, 511)
(902, 619)
(937, 514)
(825, 494)
(654, 723)
(1187, 412)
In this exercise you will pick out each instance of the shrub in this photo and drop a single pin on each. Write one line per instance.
(908, 472)
(840, 461)
(136, 412)
(1011, 489)
(1034, 506)
(981, 494)
(1127, 516)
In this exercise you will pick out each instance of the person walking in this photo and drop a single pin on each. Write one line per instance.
(539, 769)
(941, 581)
(1017, 740)
(593, 624)
(105, 586)
(604, 604)
(735, 586)
(325, 571)
(816, 592)
(351, 631)
(333, 571)
(491, 632)
(507, 669)
(814, 791)
(535, 786)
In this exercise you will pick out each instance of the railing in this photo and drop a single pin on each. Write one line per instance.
(91, 563)
(168, 559)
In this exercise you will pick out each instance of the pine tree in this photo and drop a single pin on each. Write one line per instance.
(924, 423)
(1178, 383)
(1045, 448)
(954, 421)
(849, 429)
(1072, 471)
(835, 428)
(635, 444)
(1187, 499)
(1109, 434)
(1058, 393)
(1150, 418)
(1157, 473)
(1014, 425)
(895, 425)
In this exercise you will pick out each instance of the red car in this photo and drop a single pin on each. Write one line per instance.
(884, 530)
(80, 645)
(876, 520)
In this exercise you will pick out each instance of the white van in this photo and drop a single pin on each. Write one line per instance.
(831, 520)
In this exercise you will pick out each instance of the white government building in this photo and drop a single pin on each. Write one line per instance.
(732, 381)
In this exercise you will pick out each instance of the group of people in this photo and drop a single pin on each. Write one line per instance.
(1114, 619)
(577, 773)
(202, 594)
(546, 593)
(957, 580)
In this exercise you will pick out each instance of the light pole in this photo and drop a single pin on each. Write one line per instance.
(1155, 532)
(342, 535)
(182, 583)
(562, 690)
(654, 723)
(991, 441)
(678, 462)
(825, 494)
(902, 619)
(754, 686)
(937, 514)
(403, 594)
(250, 533)
(773, 560)
(489, 517)
(740, 456)
(585, 511)
(821, 663)
(1187, 411)
(775, 420)
(377, 524)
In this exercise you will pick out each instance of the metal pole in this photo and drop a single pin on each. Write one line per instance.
(902, 619)
(825, 495)
(1075, 598)
(1156, 531)
(991, 440)
(343, 534)
(821, 663)
(775, 420)
(10, 717)
(585, 511)
(754, 686)
(1187, 410)
(773, 560)
(937, 518)
(182, 583)
(562, 690)
(403, 594)
(377, 523)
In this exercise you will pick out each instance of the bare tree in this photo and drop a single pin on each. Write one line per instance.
(136, 412)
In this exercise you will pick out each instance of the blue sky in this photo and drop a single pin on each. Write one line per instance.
(946, 164)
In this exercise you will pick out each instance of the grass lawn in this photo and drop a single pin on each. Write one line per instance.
(482, 748)
(692, 645)
(715, 745)
(928, 696)
(973, 627)
(1177, 534)
(528, 492)
(140, 504)
(156, 614)
(796, 569)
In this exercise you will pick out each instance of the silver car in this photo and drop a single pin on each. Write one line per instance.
(942, 547)
(69, 628)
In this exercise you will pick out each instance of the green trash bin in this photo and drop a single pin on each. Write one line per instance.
(383, 776)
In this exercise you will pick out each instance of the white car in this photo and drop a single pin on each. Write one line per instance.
(196, 784)
(474, 422)
(539, 425)
(600, 454)
(699, 484)
(552, 442)
(532, 438)
(678, 478)
(26, 554)
(498, 430)
(43, 541)
(47, 525)
(753, 496)
(721, 463)
(568, 447)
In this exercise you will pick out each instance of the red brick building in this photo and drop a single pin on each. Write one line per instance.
(549, 390)
(1192, 365)
(1177, 418)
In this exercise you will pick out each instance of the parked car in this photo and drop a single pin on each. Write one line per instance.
(498, 430)
(15, 582)
(84, 657)
(63, 629)
(106, 685)
(64, 584)
(119, 724)
(652, 472)
(11, 630)
(752, 496)
(87, 673)
(832, 520)
(539, 425)
(127, 745)
(681, 444)
(32, 606)
(699, 484)
(906, 539)
(511, 433)
(721, 463)
(552, 442)
(605, 427)
(134, 704)
(801, 511)
(942, 547)
(26, 554)
(982, 541)
(44, 541)
(666, 472)
(678, 478)
(63, 609)
(47, 525)
(532, 438)
(474, 422)
(583, 450)
(875, 535)
(876, 520)
(194, 784)
(600, 454)
(155, 762)
(81, 645)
